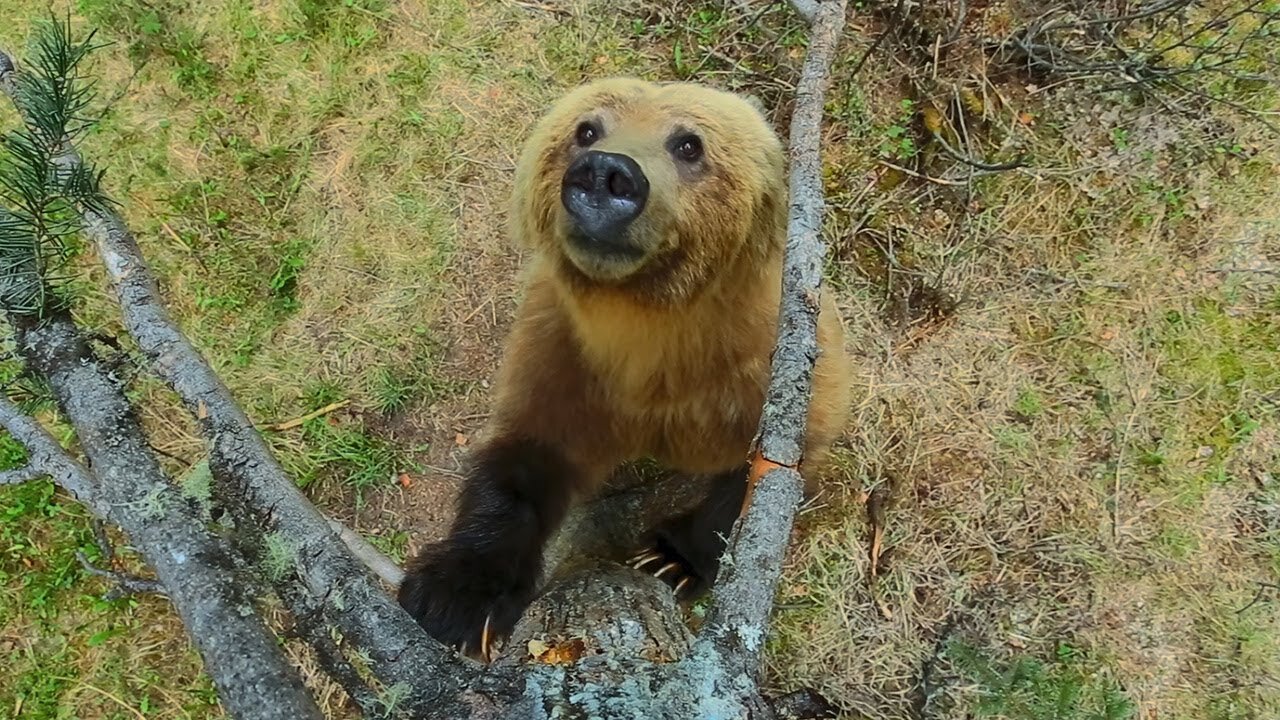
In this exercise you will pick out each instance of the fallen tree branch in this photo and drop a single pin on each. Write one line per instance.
(806, 9)
(254, 484)
(254, 679)
(372, 558)
(126, 584)
(24, 474)
(738, 619)
(400, 654)
(46, 456)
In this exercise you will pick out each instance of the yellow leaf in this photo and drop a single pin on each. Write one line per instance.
(536, 648)
(932, 120)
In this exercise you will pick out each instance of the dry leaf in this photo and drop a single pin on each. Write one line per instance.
(536, 648)
(562, 654)
(877, 509)
(202, 411)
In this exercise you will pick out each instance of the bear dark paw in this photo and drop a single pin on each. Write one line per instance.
(467, 601)
(662, 561)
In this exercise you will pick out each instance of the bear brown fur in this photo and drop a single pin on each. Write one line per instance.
(656, 216)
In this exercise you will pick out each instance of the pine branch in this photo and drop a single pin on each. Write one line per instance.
(38, 227)
(255, 485)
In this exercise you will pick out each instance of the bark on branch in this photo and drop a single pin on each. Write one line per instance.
(252, 482)
(46, 457)
(253, 677)
(807, 9)
(744, 592)
(20, 475)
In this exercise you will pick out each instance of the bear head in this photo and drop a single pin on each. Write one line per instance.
(657, 189)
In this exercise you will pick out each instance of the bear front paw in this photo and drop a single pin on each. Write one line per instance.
(666, 563)
(467, 600)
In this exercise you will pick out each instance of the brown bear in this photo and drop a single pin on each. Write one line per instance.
(656, 216)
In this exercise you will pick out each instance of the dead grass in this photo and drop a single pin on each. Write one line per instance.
(1067, 371)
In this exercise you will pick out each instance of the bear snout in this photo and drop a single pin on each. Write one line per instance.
(603, 193)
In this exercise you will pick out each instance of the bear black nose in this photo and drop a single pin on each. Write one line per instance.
(604, 192)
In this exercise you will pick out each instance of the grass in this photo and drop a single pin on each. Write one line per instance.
(1067, 371)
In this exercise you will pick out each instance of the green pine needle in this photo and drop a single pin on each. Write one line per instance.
(39, 189)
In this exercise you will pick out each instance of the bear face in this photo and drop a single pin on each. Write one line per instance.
(655, 189)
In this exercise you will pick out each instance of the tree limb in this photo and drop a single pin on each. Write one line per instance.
(254, 679)
(806, 9)
(400, 653)
(126, 584)
(743, 596)
(370, 556)
(18, 476)
(46, 456)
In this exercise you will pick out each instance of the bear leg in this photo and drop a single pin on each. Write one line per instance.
(686, 549)
(471, 588)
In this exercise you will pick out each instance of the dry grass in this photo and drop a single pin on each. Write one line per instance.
(1066, 398)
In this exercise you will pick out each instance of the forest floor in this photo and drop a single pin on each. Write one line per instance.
(1065, 448)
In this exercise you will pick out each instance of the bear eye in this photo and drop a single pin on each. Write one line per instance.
(586, 134)
(688, 148)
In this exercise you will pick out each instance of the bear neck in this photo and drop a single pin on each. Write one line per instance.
(644, 350)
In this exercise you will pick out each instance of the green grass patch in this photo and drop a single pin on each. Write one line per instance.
(1028, 688)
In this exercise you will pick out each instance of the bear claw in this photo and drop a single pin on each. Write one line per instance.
(681, 578)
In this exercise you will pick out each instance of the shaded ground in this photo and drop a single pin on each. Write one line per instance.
(1066, 425)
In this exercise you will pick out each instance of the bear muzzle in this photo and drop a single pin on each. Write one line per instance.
(604, 193)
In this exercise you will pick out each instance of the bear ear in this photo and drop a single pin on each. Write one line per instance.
(756, 103)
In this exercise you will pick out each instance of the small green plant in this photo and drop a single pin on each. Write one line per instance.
(284, 282)
(897, 142)
(1013, 438)
(1120, 139)
(394, 544)
(1026, 688)
(1029, 403)
(392, 390)
(278, 555)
